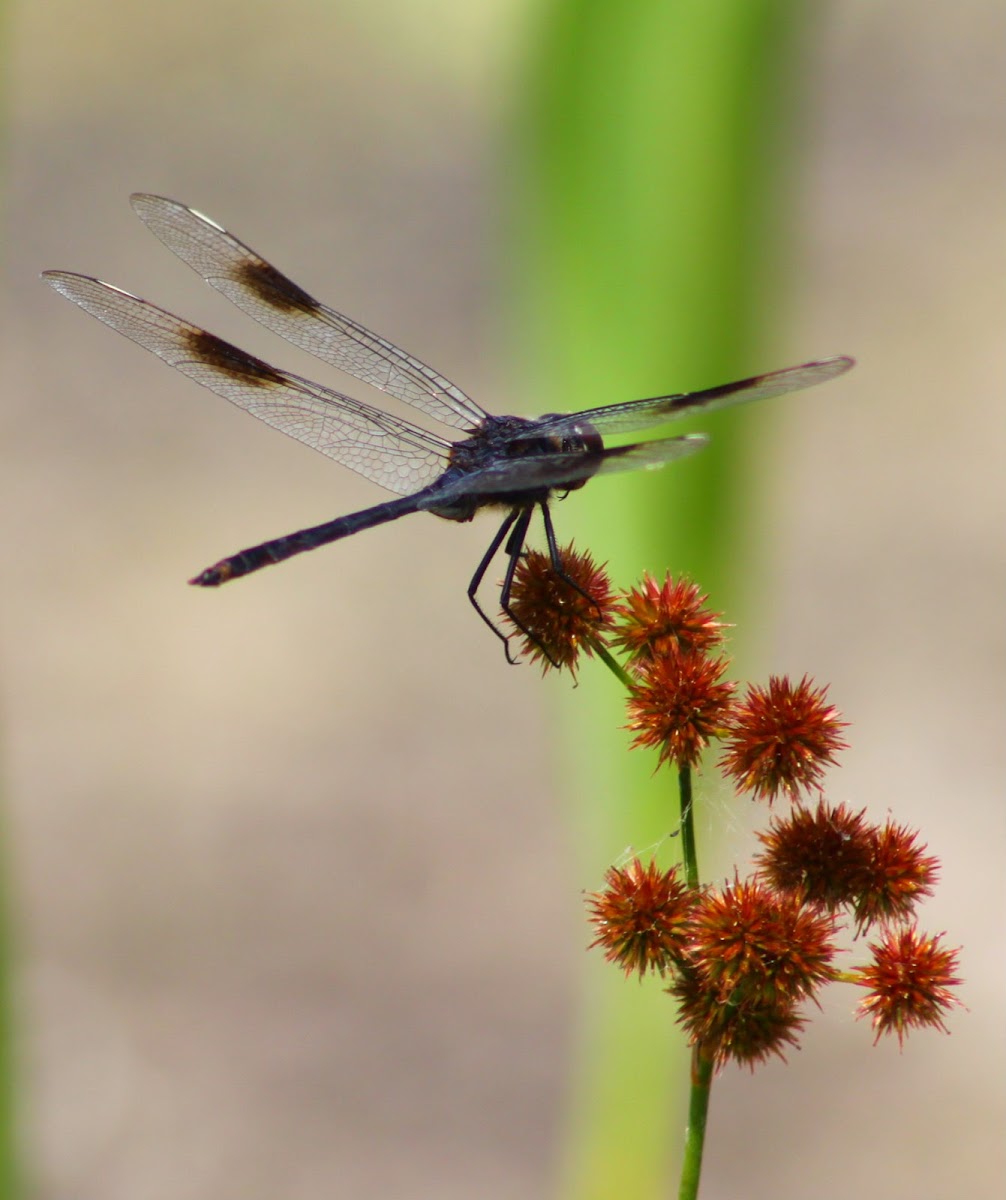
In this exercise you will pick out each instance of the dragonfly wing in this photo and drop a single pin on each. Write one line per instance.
(651, 455)
(267, 295)
(563, 470)
(384, 449)
(642, 414)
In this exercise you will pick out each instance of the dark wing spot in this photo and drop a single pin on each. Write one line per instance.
(272, 287)
(687, 399)
(229, 360)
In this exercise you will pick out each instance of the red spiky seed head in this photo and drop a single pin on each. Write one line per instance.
(640, 917)
(909, 983)
(819, 855)
(745, 1032)
(564, 618)
(750, 944)
(895, 876)
(655, 616)
(781, 737)
(678, 704)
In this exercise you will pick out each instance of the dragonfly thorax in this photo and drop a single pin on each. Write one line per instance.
(503, 439)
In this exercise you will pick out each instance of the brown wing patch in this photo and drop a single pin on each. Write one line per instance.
(229, 360)
(272, 287)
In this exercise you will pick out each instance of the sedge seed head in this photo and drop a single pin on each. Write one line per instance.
(640, 917)
(781, 737)
(679, 703)
(565, 616)
(656, 616)
(818, 854)
(909, 984)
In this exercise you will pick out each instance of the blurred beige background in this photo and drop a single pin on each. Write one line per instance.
(297, 913)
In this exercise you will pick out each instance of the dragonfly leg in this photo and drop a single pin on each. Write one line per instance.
(556, 560)
(514, 549)
(480, 571)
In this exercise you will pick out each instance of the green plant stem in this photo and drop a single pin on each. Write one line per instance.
(695, 1133)
(702, 1067)
(689, 853)
(613, 665)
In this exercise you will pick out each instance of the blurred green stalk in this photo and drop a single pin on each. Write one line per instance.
(652, 182)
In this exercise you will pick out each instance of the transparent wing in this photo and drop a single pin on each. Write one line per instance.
(641, 414)
(564, 469)
(265, 294)
(384, 449)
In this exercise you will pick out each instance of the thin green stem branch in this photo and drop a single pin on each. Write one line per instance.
(689, 854)
(613, 665)
(695, 1134)
(702, 1067)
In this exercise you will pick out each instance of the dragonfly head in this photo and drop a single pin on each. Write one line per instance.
(578, 439)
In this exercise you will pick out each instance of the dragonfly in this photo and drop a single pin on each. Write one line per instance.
(516, 464)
